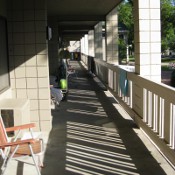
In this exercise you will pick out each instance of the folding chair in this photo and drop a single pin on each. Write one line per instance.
(9, 147)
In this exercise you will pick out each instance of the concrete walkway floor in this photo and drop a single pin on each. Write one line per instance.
(93, 135)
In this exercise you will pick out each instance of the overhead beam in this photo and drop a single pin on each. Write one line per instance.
(72, 37)
(80, 18)
(74, 31)
(76, 27)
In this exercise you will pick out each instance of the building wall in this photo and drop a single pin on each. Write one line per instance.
(3, 11)
(29, 73)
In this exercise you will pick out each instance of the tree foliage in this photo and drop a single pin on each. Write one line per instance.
(125, 17)
(125, 10)
(126, 22)
(168, 24)
(122, 49)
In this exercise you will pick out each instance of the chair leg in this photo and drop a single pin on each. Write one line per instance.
(40, 162)
(40, 155)
(34, 160)
(2, 154)
(7, 160)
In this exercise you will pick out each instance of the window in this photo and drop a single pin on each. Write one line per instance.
(4, 71)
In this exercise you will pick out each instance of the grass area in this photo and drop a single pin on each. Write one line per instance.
(165, 68)
(131, 59)
(168, 60)
(164, 60)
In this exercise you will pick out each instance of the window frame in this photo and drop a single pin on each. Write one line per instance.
(7, 86)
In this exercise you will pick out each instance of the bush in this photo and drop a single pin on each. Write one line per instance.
(173, 78)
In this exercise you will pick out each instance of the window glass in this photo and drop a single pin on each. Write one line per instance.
(4, 71)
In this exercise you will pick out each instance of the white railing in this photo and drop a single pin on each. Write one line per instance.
(150, 104)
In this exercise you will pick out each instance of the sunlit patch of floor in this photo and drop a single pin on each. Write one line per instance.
(86, 112)
(91, 150)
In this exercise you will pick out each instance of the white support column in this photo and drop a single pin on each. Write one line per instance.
(98, 41)
(147, 39)
(86, 46)
(91, 43)
(82, 46)
(112, 37)
(104, 47)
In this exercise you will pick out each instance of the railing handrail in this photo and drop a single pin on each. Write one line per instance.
(163, 90)
(160, 89)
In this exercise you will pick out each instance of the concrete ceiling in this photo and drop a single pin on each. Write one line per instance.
(76, 17)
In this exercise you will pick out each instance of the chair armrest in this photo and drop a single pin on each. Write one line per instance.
(25, 126)
(18, 142)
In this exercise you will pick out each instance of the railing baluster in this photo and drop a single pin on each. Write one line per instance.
(161, 125)
(145, 110)
(150, 108)
(173, 127)
(155, 115)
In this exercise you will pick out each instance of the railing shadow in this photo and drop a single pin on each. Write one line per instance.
(90, 137)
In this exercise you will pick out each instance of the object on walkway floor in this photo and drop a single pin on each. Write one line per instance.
(63, 84)
(72, 72)
(53, 81)
(55, 91)
(10, 147)
(56, 95)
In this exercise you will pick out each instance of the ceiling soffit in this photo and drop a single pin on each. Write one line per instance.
(76, 17)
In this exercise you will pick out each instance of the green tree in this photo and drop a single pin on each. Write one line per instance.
(125, 14)
(167, 25)
(122, 49)
(125, 17)
(126, 24)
